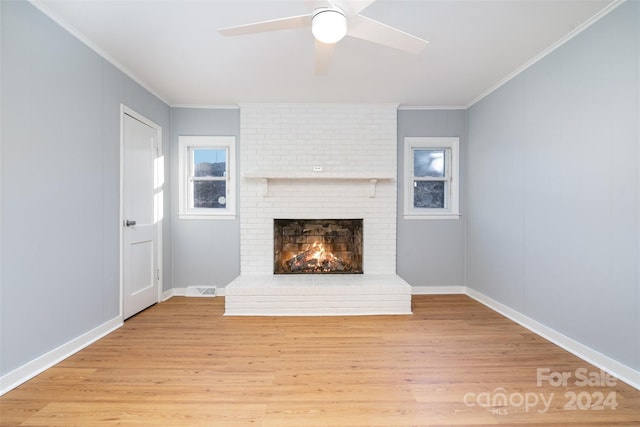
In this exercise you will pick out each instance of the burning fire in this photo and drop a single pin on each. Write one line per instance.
(318, 252)
(316, 259)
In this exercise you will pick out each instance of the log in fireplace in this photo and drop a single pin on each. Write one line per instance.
(317, 246)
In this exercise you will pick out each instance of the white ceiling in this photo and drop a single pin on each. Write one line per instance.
(173, 48)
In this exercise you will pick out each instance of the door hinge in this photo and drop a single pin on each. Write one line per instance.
(157, 274)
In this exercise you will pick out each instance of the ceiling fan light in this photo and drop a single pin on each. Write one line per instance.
(329, 25)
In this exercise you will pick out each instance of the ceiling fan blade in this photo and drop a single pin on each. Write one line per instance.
(356, 6)
(324, 52)
(367, 29)
(290, 23)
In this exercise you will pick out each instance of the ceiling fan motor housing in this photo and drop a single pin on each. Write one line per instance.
(329, 24)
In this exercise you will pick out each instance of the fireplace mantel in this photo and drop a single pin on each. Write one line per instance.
(371, 180)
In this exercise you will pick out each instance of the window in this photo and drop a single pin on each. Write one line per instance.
(206, 165)
(431, 169)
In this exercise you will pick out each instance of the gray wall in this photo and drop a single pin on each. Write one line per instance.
(431, 252)
(60, 184)
(205, 252)
(553, 189)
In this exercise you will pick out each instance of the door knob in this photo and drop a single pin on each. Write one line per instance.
(129, 223)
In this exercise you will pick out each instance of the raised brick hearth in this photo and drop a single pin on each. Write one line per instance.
(318, 295)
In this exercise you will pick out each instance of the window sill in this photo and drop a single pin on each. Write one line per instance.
(206, 216)
(433, 216)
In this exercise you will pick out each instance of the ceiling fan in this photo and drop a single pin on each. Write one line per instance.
(330, 21)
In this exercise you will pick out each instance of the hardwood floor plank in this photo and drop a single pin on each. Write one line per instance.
(67, 414)
(453, 362)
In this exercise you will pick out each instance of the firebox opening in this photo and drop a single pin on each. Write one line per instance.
(317, 246)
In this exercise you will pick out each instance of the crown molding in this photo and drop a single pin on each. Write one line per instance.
(608, 9)
(42, 7)
(431, 107)
(207, 107)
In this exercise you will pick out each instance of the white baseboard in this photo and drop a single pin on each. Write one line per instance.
(437, 290)
(173, 292)
(415, 290)
(31, 369)
(180, 292)
(620, 371)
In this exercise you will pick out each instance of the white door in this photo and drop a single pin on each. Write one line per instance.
(140, 217)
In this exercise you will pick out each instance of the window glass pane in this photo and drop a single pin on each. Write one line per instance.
(210, 162)
(428, 194)
(428, 163)
(210, 194)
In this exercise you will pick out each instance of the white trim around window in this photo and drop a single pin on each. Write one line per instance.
(224, 205)
(446, 178)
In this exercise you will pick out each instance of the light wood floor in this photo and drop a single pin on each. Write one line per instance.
(181, 363)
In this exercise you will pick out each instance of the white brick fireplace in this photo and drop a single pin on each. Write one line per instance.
(312, 162)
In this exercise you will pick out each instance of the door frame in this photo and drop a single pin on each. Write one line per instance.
(125, 110)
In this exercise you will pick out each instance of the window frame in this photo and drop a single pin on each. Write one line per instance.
(185, 172)
(451, 146)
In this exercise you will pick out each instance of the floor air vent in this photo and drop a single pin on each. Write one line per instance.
(201, 291)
